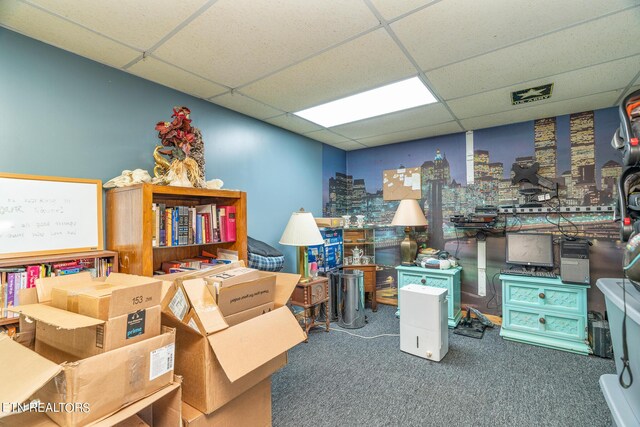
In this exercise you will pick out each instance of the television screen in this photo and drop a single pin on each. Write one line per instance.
(530, 249)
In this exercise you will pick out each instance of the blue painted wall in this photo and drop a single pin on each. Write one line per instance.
(64, 115)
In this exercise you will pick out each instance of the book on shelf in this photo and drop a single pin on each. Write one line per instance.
(228, 216)
(154, 229)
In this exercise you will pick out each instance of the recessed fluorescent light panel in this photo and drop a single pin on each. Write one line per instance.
(375, 102)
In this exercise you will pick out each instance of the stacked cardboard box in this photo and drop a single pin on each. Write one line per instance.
(233, 330)
(99, 347)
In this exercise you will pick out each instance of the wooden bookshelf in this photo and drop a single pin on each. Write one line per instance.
(51, 259)
(48, 259)
(130, 224)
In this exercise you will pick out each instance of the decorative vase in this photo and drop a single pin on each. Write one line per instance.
(347, 221)
(360, 221)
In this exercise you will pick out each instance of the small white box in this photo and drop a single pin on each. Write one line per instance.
(424, 328)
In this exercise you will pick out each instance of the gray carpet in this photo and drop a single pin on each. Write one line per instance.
(340, 380)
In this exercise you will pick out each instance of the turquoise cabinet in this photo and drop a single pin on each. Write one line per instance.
(447, 279)
(545, 312)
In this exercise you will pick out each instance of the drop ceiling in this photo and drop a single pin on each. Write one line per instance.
(270, 58)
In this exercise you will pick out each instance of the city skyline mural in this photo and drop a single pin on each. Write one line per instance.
(573, 151)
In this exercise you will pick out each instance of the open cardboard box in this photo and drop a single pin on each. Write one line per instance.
(105, 383)
(220, 362)
(251, 408)
(160, 409)
(124, 310)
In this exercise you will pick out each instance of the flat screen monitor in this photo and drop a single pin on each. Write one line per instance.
(532, 249)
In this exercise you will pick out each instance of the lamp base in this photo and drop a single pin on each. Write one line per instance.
(408, 248)
(303, 264)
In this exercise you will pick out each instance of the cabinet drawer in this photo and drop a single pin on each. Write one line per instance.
(547, 297)
(545, 323)
(409, 279)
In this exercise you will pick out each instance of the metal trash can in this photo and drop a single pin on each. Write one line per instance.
(350, 299)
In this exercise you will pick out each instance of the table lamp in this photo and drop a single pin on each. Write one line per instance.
(408, 215)
(302, 231)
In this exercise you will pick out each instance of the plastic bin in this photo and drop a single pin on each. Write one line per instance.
(624, 404)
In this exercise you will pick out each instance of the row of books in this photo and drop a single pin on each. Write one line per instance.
(195, 263)
(192, 225)
(12, 280)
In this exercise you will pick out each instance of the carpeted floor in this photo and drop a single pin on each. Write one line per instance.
(340, 380)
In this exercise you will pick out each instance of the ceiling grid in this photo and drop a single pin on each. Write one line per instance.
(270, 58)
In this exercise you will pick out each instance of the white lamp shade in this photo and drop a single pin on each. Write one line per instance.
(409, 214)
(301, 231)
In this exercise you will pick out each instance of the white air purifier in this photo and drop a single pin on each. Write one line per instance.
(424, 329)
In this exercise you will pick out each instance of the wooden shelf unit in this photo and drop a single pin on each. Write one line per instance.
(50, 259)
(130, 224)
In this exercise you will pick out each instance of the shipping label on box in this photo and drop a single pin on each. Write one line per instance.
(178, 304)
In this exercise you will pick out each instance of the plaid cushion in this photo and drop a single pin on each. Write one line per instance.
(270, 263)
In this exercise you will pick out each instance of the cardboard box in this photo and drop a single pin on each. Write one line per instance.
(67, 345)
(245, 315)
(251, 408)
(92, 297)
(105, 383)
(247, 295)
(160, 409)
(220, 362)
(233, 276)
(122, 309)
(330, 222)
(66, 336)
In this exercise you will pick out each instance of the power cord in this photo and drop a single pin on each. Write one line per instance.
(362, 336)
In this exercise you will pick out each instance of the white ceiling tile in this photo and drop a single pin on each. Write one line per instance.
(327, 136)
(406, 119)
(600, 78)
(412, 134)
(132, 22)
(168, 75)
(238, 102)
(293, 123)
(574, 48)
(351, 145)
(453, 30)
(391, 9)
(591, 102)
(236, 41)
(47, 28)
(347, 69)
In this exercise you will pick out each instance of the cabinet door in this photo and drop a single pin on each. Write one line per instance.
(523, 320)
(560, 326)
(563, 299)
(405, 279)
(522, 295)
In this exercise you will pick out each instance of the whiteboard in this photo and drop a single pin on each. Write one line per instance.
(48, 215)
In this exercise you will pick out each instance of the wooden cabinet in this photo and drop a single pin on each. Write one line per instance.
(130, 224)
(103, 262)
(545, 312)
(447, 279)
(359, 239)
